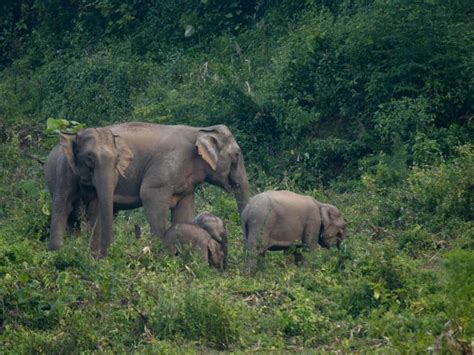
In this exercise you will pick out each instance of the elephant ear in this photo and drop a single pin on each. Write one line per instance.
(328, 214)
(67, 142)
(206, 220)
(206, 145)
(125, 155)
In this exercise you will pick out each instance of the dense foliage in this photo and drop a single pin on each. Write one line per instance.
(366, 104)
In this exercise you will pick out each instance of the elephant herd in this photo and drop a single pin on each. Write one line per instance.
(129, 165)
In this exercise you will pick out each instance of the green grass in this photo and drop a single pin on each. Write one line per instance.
(389, 288)
(332, 99)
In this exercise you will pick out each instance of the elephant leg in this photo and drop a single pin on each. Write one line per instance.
(138, 231)
(185, 210)
(94, 226)
(310, 235)
(256, 244)
(156, 203)
(73, 222)
(298, 255)
(62, 207)
(204, 254)
(58, 226)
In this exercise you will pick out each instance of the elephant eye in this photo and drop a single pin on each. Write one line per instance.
(235, 156)
(89, 160)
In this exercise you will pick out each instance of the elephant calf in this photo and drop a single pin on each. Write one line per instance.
(207, 235)
(279, 220)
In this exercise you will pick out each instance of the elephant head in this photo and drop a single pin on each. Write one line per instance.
(98, 157)
(333, 226)
(217, 147)
(216, 255)
(216, 229)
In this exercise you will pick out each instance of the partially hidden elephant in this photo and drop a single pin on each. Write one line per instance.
(216, 229)
(279, 220)
(128, 165)
(190, 235)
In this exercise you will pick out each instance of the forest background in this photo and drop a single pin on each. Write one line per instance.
(365, 104)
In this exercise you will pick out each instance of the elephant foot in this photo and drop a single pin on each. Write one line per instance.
(138, 231)
(95, 254)
(250, 267)
(98, 254)
(54, 245)
(299, 259)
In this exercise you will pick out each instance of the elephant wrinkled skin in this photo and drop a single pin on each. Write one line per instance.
(129, 165)
(278, 220)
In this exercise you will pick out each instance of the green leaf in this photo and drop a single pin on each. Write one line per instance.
(45, 210)
(189, 31)
(23, 278)
(56, 123)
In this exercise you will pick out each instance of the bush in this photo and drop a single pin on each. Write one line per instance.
(460, 287)
(444, 191)
(332, 99)
(322, 87)
(195, 314)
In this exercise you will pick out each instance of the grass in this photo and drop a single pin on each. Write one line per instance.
(331, 99)
(375, 293)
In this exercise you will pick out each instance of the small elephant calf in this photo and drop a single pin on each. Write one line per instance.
(207, 235)
(278, 220)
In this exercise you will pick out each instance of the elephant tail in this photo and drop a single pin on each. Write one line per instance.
(245, 229)
(250, 260)
(249, 226)
(246, 213)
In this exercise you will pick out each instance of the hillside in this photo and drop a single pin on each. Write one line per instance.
(364, 104)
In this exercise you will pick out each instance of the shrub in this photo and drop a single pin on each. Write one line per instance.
(444, 191)
(195, 314)
(459, 289)
(318, 93)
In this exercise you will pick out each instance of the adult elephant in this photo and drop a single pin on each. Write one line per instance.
(129, 165)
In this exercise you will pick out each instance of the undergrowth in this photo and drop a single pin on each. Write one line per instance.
(364, 104)
(401, 281)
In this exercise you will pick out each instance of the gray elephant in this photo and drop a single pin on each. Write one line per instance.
(190, 235)
(279, 220)
(129, 165)
(216, 229)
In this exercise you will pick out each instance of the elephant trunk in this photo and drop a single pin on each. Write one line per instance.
(106, 180)
(241, 190)
(63, 188)
(58, 223)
